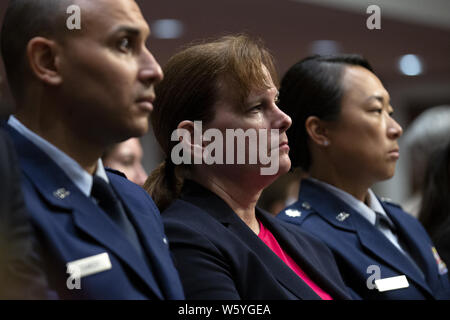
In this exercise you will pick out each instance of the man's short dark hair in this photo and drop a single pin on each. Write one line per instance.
(312, 87)
(25, 19)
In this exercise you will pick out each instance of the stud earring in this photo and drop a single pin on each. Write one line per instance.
(326, 143)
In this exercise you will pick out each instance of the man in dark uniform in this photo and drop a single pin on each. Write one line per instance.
(83, 81)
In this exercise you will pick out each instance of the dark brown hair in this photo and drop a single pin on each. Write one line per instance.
(190, 90)
(312, 87)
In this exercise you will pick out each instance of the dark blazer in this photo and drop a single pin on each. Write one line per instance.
(356, 245)
(71, 227)
(219, 257)
(21, 274)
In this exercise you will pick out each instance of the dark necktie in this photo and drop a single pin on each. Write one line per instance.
(384, 222)
(110, 204)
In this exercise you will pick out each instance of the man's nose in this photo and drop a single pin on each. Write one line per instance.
(150, 71)
(394, 129)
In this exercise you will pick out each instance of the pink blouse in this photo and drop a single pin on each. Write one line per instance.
(267, 237)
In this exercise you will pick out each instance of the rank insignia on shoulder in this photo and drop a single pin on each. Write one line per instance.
(442, 267)
(293, 213)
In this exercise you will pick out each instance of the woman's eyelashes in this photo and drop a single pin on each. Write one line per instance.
(264, 104)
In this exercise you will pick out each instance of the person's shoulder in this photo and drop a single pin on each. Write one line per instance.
(297, 212)
(390, 203)
(189, 224)
(130, 189)
(189, 213)
(120, 180)
(184, 217)
(395, 208)
(115, 172)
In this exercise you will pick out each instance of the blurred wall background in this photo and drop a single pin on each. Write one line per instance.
(292, 29)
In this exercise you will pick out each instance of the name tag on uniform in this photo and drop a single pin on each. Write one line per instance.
(90, 265)
(392, 283)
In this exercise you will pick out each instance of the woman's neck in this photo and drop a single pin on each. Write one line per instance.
(350, 185)
(241, 198)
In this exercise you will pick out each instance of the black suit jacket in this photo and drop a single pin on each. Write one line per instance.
(219, 257)
(21, 276)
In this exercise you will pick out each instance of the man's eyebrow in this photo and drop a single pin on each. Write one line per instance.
(129, 30)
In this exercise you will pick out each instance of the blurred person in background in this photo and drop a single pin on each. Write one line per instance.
(435, 208)
(224, 246)
(428, 132)
(126, 157)
(345, 137)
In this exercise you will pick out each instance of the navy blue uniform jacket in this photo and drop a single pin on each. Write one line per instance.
(357, 245)
(71, 226)
(219, 257)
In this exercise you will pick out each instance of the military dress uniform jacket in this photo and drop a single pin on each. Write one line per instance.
(361, 250)
(219, 257)
(71, 226)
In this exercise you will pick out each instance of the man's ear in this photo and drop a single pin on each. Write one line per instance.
(317, 131)
(42, 54)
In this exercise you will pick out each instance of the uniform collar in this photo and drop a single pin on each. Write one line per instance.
(367, 211)
(80, 177)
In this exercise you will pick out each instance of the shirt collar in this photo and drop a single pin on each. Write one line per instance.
(367, 211)
(80, 177)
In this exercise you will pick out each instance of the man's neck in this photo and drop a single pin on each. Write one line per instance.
(85, 153)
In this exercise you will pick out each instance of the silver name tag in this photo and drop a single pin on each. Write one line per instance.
(90, 265)
(392, 283)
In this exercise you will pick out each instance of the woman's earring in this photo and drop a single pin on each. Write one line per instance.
(326, 143)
